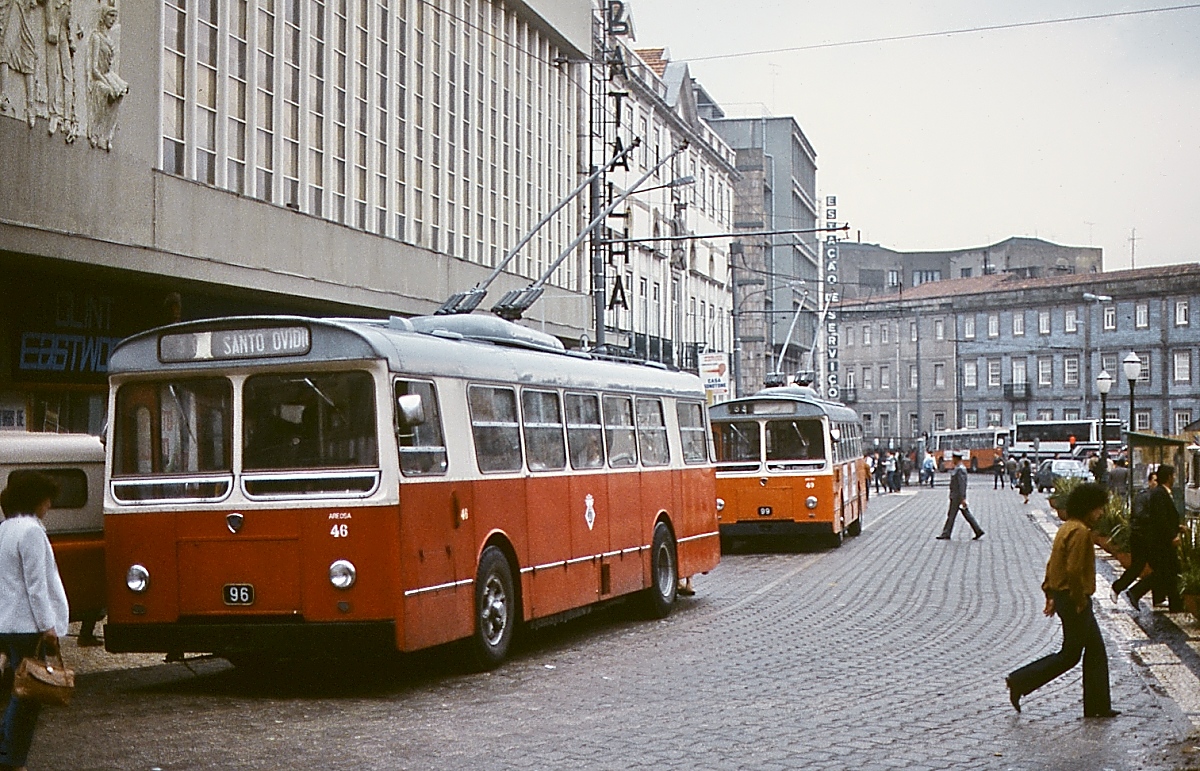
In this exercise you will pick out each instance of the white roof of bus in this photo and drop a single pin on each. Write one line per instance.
(475, 347)
(801, 394)
(27, 447)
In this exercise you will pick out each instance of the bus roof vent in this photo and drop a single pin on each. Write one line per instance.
(487, 329)
(399, 323)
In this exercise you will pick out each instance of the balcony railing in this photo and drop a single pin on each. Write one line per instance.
(1016, 391)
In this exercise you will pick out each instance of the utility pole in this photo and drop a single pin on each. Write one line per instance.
(1132, 247)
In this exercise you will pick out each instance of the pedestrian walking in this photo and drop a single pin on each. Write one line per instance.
(1069, 585)
(1162, 523)
(1011, 466)
(33, 604)
(909, 463)
(1118, 478)
(958, 501)
(890, 479)
(1139, 542)
(998, 472)
(930, 467)
(1025, 480)
(880, 471)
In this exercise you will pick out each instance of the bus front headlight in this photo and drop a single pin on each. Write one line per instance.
(811, 501)
(720, 504)
(342, 574)
(137, 578)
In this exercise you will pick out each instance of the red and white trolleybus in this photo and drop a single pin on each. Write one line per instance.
(297, 487)
(789, 464)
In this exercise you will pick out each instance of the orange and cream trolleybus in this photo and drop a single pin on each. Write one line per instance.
(789, 464)
(298, 487)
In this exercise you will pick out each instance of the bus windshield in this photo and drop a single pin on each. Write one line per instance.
(307, 421)
(173, 427)
(177, 430)
(795, 440)
(738, 441)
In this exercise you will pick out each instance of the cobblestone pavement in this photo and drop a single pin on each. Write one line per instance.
(888, 652)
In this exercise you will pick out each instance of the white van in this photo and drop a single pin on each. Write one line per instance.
(75, 521)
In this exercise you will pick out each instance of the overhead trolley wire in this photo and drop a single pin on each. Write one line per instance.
(942, 33)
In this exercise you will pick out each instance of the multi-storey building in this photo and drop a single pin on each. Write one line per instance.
(316, 156)
(1004, 348)
(870, 270)
(674, 295)
(776, 277)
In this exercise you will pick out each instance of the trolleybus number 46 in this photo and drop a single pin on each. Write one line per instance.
(239, 594)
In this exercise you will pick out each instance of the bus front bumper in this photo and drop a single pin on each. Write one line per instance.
(282, 640)
(774, 527)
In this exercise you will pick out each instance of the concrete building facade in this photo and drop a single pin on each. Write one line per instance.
(313, 156)
(776, 277)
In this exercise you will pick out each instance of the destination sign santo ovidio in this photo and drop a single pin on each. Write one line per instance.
(221, 344)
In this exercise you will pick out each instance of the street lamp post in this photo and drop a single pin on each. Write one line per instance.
(1133, 370)
(1104, 383)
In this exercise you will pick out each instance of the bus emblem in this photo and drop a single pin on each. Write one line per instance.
(234, 522)
(589, 514)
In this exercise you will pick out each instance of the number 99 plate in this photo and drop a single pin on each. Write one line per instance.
(238, 594)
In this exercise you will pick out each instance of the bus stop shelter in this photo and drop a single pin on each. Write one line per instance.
(1149, 451)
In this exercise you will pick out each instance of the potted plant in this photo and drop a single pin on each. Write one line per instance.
(1189, 567)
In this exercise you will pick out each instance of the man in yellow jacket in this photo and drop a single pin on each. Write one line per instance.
(1069, 586)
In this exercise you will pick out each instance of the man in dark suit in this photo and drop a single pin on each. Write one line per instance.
(1162, 523)
(958, 501)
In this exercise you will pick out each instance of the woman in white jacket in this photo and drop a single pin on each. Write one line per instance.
(33, 605)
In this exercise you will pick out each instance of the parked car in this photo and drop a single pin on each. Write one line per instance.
(1054, 468)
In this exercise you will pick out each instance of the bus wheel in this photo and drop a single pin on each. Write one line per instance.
(495, 609)
(664, 573)
(838, 537)
(855, 527)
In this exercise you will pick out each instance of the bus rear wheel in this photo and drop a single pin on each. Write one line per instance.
(495, 609)
(664, 573)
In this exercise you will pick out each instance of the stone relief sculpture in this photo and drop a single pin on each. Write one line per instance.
(60, 69)
(42, 77)
(18, 53)
(105, 87)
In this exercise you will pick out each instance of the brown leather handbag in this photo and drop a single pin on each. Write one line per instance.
(44, 678)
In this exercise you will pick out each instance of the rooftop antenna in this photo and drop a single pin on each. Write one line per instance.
(514, 304)
(465, 302)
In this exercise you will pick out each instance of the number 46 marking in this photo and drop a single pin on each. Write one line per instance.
(340, 531)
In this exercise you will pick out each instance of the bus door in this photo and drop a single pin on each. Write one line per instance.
(500, 494)
(588, 511)
(622, 570)
(436, 524)
(695, 489)
(550, 490)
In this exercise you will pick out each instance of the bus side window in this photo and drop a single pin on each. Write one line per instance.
(495, 428)
(652, 433)
(619, 431)
(543, 426)
(422, 447)
(691, 430)
(585, 434)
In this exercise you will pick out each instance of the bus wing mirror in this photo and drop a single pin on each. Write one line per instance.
(411, 410)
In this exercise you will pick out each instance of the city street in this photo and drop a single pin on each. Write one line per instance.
(888, 652)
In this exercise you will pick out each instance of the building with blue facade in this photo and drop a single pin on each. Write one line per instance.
(1027, 348)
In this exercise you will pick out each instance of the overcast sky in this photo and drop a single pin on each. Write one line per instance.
(1076, 133)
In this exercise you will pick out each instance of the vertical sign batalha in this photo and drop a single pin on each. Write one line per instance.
(833, 294)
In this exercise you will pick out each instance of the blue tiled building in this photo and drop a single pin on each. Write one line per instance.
(1031, 348)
